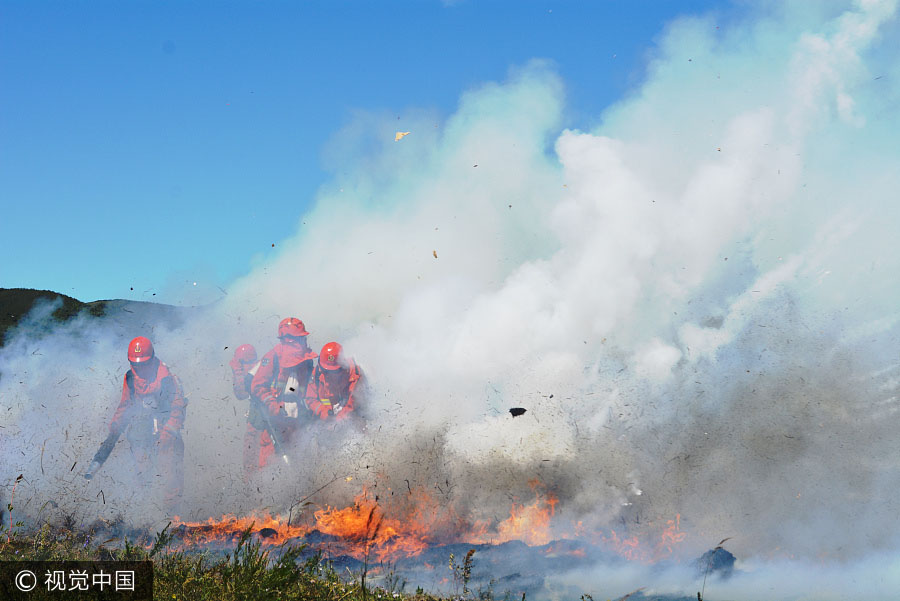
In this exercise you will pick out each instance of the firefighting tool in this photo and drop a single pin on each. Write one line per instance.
(259, 418)
(102, 453)
(274, 435)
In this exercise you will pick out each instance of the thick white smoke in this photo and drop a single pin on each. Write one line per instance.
(695, 301)
(698, 272)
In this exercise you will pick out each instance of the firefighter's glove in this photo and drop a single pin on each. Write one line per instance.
(291, 409)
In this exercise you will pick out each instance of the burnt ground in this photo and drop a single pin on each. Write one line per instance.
(506, 570)
(511, 569)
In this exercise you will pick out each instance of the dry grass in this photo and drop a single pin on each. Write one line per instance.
(248, 573)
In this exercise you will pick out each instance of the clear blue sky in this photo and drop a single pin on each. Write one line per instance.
(147, 145)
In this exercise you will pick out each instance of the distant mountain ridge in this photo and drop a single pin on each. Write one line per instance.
(124, 315)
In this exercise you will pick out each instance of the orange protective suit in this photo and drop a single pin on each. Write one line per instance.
(151, 414)
(280, 383)
(334, 393)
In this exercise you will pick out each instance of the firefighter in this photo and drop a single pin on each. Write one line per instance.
(150, 414)
(241, 370)
(281, 380)
(336, 386)
(258, 445)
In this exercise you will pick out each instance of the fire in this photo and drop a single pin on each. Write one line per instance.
(634, 550)
(670, 537)
(229, 528)
(365, 528)
(556, 550)
(628, 548)
(373, 529)
(527, 523)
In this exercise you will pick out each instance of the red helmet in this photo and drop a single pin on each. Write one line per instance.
(245, 353)
(291, 326)
(330, 357)
(140, 349)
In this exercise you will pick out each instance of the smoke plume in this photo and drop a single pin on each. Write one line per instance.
(695, 302)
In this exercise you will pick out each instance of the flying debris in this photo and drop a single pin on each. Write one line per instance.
(517, 411)
(268, 532)
(400, 135)
(434, 252)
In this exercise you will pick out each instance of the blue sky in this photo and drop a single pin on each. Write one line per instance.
(147, 146)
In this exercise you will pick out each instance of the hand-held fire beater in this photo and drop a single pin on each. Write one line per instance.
(103, 453)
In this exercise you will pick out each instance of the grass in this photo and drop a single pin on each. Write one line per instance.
(248, 573)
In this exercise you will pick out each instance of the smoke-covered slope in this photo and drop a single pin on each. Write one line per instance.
(125, 315)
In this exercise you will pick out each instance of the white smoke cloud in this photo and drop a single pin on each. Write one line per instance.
(784, 579)
(696, 300)
(701, 245)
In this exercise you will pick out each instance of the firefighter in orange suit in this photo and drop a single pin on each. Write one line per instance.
(257, 442)
(151, 414)
(241, 365)
(282, 377)
(336, 386)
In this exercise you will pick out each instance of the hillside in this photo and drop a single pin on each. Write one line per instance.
(123, 315)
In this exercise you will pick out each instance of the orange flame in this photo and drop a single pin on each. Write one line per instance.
(632, 549)
(557, 550)
(527, 523)
(395, 530)
(229, 528)
(365, 528)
